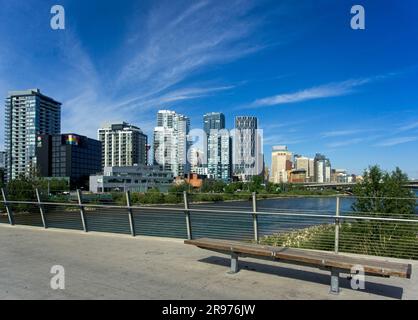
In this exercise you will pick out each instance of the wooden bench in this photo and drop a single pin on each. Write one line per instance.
(336, 263)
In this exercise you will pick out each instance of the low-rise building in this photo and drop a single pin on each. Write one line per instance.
(139, 178)
(68, 156)
(340, 176)
(297, 176)
(195, 180)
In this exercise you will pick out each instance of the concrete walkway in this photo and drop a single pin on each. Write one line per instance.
(109, 266)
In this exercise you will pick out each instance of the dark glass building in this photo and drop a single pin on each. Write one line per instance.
(213, 120)
(69, 155)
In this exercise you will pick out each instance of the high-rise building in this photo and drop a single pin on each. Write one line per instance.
(327, 171)
(213, 120)
(28, 113)
(69, 155)
(281, 164)
(123, 145)
(218, 146)
(311, 170)
(247, 157)
(219, 155)
(170, 142)
(322, 168)
(2, 166)
(302, 163)
(2, 159)
(307, 164)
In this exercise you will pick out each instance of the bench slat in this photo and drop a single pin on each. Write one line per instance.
(306, 256)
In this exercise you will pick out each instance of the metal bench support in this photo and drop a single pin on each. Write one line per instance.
(234, 263)
(335, 281)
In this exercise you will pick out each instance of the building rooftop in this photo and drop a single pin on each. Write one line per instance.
(31, 92)
(109, 266)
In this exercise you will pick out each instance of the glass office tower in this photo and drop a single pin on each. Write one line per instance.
(218, 146)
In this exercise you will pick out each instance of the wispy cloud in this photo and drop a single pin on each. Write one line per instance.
(410, 126)
(183, 94)
(323, 91)
(182, 40)
(341, 133)
(396, 141)
(178, 41)
(278, 139)
(344, 143)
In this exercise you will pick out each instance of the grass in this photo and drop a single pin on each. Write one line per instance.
(397, 240)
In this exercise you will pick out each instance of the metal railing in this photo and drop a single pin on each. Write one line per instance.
(337, 231)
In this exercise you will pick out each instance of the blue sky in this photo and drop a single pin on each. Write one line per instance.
(315, 84)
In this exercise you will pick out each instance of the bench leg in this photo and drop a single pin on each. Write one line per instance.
(335, 281)
(234, 263)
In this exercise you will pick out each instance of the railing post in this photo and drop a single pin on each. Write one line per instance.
(130, 214)
(82, 215)
(255, 219)
(41, 209)
(8, 208)
(337, 224)
(187, 213)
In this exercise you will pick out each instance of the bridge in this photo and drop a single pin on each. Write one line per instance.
(413, 184)
(111, 266)
(326, 184)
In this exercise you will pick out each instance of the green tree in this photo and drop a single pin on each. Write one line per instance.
(22, 188)
(210, 185)
(256, 184)
(382, 194)
(180, 188)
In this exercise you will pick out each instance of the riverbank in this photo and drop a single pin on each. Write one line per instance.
(176, 198)
(361, 237)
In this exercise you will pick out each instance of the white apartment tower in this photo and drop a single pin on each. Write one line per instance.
(170, 142)
(123, 145)
(247, 148)
(28, 113)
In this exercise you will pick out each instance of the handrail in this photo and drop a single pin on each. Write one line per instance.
(249, 212)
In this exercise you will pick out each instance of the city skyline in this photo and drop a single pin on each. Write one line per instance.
(352, 98)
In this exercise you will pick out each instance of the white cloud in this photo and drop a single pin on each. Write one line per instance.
(181, 40)
(344, 143)
(159, 100)
(323, 91)
(340, 133)
(409, 126)
(395, 141)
